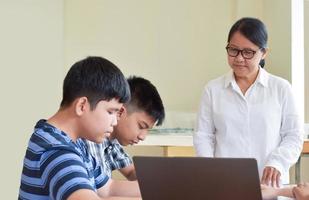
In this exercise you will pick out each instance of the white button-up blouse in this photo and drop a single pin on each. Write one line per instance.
(263, 124)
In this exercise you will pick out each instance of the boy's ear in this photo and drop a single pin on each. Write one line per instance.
(81, 105)
(122, 111)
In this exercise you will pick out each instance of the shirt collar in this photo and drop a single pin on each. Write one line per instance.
(262, 78)
(229, 79)
(42, 127)
(53, 138)
(110, 142)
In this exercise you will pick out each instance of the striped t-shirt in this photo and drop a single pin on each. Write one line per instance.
(55, 166)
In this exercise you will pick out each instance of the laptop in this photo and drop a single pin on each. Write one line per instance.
(197, 178)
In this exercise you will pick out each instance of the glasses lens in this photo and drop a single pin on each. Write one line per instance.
(248, 54)
(232, 51)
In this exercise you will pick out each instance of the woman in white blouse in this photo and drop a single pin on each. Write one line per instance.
(249, 112)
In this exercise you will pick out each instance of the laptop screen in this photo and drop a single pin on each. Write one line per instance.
(190, 178)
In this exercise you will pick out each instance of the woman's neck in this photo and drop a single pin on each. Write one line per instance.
(245, 82)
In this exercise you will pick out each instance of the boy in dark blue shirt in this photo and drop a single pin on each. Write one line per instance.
(57, 164)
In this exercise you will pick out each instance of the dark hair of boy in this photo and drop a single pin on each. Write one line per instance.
(145, 97)
(85, 79)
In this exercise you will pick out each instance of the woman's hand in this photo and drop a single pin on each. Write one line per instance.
(269, 192)
(271, 176)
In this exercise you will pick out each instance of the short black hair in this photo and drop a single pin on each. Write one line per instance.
(254, 30)
(97, 79)
(145, 97)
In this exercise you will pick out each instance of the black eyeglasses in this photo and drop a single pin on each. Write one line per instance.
(246, 53)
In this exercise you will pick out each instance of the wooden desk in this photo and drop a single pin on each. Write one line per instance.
(304, 153)
(178, 151)
(306, 147)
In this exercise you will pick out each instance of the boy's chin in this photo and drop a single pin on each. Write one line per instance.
(98, 140)
(107, 135)
(124, 143)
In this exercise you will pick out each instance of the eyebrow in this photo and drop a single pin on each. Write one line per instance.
(237, 47)
(145, 124)
(114, 109)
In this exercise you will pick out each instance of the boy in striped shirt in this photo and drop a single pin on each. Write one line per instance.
(57, 164)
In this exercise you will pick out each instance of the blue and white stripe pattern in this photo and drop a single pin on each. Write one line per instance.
(55, 166)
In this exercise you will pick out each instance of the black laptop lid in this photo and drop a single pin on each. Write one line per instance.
(197, 178)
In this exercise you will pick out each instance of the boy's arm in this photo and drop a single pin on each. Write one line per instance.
(119, 188)
(129, 172)
(301, 192)
(91, 195)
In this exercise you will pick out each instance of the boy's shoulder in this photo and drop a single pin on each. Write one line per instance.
(48, 140)
(52, 156)
(48, 144)
(47, 137)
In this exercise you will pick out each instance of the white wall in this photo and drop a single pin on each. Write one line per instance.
(177, 44)
(278, 22)
(31, 52)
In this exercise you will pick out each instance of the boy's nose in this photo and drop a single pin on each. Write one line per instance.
(142, 135)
